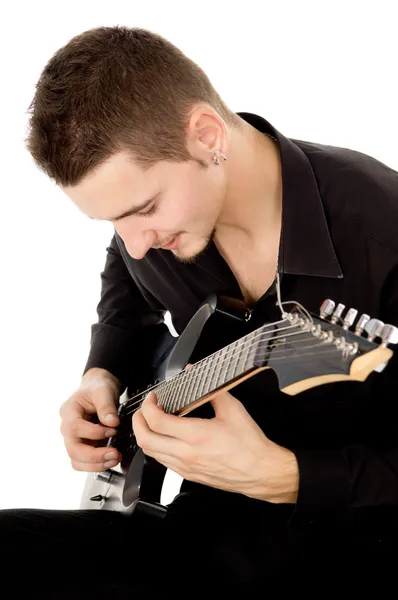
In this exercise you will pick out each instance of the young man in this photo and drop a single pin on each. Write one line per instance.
(276, 487)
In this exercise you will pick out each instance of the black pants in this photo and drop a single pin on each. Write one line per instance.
(206, 544)
(91, 554)
(195, 550)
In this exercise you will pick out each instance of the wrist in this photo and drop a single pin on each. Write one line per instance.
(281, 487)
(96, 373)
(290, 479)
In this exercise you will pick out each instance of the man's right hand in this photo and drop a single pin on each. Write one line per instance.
(95, 399)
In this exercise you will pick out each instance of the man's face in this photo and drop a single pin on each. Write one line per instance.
(187, 201)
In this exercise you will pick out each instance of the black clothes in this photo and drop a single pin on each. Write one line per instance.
(339, 240)
(99, 555)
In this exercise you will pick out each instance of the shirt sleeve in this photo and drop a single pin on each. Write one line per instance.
(359, 475)
(117, 343)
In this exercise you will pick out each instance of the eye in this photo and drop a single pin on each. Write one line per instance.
(149, 212)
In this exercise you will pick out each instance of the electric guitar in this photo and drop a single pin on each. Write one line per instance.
(304, 351)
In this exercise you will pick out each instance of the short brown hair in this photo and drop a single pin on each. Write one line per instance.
(112, 89)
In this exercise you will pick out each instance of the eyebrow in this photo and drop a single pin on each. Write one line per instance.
(132, 211)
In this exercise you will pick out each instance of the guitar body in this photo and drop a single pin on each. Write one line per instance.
(137, 483)
(228, 347)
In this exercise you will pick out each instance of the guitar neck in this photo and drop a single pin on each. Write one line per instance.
(226, 366)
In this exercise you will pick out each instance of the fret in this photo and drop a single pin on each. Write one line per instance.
(229, 370)
(188, 399)
(246, 355)
(208, 374)
(161, 395)
(159, 391)
(204, 383)
(244, 351)
(211, 373)
(256, 338)
(232, 361)
(226, 355)
(178, 390)
(220, 368)
(238, 353)
(181, 393)
(215, 371)
(224, 358)
(167, 387)
(196, 385)
(218, 376)
(173, 388)
(168, 394)
(240, 347)
(184, 394)
(238, 363)
(197, 388)
(252, 347)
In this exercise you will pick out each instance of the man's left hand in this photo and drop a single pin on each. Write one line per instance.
(229, 451)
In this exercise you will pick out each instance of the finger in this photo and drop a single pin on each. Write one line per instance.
(106, 406)
(80, 428)
(170, 425)
(151, 441)
(84, 453)
(71, 411)
(224, 404)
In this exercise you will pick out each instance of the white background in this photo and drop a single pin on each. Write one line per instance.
(323, 72)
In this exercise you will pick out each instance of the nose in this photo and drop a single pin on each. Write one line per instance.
(138, 243)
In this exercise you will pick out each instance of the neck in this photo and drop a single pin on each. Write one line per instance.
(253, 203)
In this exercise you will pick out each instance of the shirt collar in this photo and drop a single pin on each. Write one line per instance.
(306, 247)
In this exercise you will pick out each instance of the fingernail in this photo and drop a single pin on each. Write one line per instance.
(110, 417)
(110, 432)
(110, 456)
(111, 463)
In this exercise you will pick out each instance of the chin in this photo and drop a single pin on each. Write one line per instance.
(188, 251)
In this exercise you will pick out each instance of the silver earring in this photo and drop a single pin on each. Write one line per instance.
(215, 157)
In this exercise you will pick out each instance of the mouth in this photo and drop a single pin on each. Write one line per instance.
(173, 244)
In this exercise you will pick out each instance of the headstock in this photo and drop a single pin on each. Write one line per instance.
(308, 350)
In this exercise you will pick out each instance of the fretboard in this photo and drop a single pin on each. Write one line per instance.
(211, 373)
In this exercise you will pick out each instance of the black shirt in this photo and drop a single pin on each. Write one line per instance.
(340, 241)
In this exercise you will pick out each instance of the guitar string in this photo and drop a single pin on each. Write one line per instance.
(308, 356)
(189, 375)
(194, 369)
(232, 348)
(244, 339)
(284, 315)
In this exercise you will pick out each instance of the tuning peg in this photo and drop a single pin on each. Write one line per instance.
(337, 313)
(350, 318)
(374, 328)
(326, 309)
(363, 319)
(389, 335)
